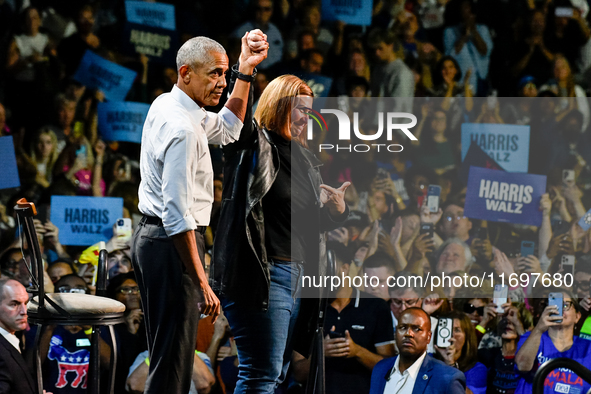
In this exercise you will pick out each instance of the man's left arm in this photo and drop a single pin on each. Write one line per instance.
(382, 337)
(225, 127)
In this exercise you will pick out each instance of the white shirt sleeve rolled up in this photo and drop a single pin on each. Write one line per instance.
(175, 165)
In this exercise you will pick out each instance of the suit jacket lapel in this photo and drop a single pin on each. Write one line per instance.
(425, 371)
(384, 380)
(20, 361)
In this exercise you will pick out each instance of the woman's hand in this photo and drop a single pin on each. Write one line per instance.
(548, 319)
(502, 264)
(334, 199)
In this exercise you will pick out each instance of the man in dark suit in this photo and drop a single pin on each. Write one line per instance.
(15, 377)
(414, 371)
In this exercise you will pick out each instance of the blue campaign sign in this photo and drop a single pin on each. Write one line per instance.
(8, 170)
(122, 121)
(502, 196)
(352, 12)
(319, 84)
(97, 73)
(85, 220)
(151, 14)
(508, 145)
(160, 45)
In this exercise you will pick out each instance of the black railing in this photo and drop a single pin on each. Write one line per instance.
(551, 365)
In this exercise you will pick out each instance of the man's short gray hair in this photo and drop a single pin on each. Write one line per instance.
(197, 51)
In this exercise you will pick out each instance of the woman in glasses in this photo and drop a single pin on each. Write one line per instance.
(553, 337)
(502, 377)
(462, 353)
(131, 338)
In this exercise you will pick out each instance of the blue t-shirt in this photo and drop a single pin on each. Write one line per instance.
(560, 380)
(476, 378)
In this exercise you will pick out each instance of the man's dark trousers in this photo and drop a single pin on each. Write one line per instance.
(169, 300)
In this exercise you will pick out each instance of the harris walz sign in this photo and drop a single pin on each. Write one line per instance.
(150, 29)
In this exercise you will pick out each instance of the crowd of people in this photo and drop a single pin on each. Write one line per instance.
(518, 62)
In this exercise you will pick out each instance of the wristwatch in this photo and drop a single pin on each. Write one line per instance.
(244, 77)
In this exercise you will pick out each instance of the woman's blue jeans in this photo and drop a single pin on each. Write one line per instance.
(264, 339)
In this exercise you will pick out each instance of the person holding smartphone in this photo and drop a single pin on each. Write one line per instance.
(553, 337)
(358, 333)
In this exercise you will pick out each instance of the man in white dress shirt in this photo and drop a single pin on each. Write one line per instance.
(176, 196)
(15, 377)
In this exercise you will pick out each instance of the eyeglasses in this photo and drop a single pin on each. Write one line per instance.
(129, 290)
(565, 306)
(408, 303)
(68, 289)
(458, 217)
(469, 309)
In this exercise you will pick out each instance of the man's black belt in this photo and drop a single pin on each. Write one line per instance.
(158, 222)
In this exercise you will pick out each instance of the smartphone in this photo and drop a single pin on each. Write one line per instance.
(482, 233)
(556, 299)
(427, 228)
(527, 248)
(567, 263)
(334, 334)
(433, 194)
(123, 228)
(564, 12)
(500, 296)
(561, 227)
(444, 332)
(43, 213)
(568, 176)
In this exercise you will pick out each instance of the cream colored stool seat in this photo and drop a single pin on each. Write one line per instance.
(78, 304)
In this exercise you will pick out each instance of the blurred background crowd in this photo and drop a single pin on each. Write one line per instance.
(520, 62)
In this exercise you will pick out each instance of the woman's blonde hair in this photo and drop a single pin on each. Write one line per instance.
(274, 108)
(54, 151)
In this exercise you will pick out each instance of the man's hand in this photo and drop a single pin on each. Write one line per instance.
(335, 347)
(334, 199)
(210, 305)
(431, 303)
(586, 303)
(254, 50)
(133, 320)
(221, 327)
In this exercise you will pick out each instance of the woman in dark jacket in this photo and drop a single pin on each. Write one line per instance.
(274, 212)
